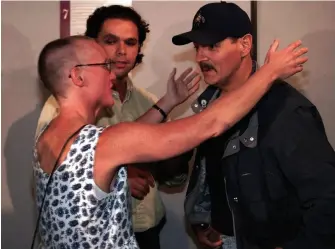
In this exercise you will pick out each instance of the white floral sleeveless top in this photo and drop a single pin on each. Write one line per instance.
(76, 213)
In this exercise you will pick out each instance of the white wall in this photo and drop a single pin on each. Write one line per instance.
(314, 24)
(27, 26)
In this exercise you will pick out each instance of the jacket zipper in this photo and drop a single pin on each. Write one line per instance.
(225, 183)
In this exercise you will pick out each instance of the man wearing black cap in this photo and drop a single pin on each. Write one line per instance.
(269, 182)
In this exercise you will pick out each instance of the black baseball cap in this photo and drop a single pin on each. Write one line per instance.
(215, 22)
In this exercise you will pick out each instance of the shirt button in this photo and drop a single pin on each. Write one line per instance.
(234, 147)
(252, 139)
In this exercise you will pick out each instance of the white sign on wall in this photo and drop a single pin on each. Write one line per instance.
(81, 10)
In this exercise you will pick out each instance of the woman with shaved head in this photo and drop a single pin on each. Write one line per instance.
(81, 180)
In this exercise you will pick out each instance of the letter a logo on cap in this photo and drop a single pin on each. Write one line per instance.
(199, 20)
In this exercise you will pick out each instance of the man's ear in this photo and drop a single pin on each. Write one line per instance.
(245, 45)
(77, 76)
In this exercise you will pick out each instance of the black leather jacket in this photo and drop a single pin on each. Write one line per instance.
(279, 175)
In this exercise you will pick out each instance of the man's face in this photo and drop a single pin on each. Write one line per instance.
(219, 61)
(119, 38)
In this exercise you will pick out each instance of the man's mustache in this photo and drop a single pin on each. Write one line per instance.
(206, 66)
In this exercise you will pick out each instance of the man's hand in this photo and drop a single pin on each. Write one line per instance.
(140, 181)
(173, 172)
(208, 238)
(180, 89)
(287, 61)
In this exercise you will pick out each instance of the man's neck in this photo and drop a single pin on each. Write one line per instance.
(120, 85)
(239, 77)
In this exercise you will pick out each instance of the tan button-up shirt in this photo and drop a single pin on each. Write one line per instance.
(148, 212)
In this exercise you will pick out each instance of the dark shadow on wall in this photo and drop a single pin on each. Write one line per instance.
(300, 81)
(18, 85)
(18, 155)
(320, 79)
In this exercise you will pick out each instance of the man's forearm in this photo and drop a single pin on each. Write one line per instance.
(153, 115)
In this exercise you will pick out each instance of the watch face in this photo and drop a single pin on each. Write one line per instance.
(210, 93)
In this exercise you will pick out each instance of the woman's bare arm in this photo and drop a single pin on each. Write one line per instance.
(139, 142)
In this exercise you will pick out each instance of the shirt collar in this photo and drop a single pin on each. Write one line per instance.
(130, 87)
